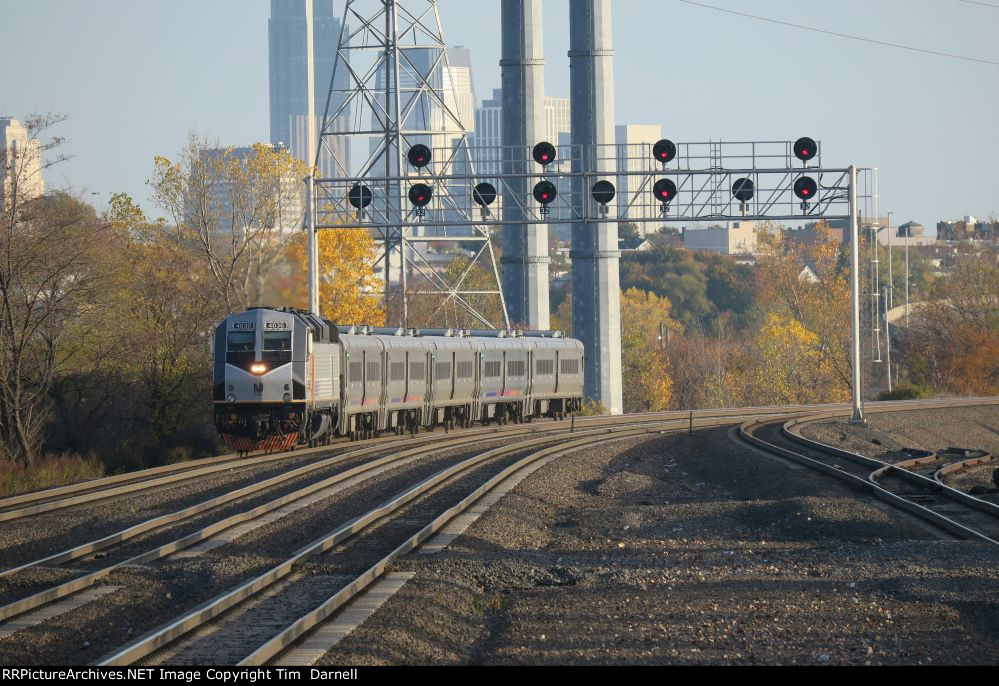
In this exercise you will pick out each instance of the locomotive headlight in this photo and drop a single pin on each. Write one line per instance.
(231, 398)
(287, 397)
(258, 369)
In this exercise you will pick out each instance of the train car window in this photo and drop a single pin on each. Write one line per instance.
(417, 371)
(398, 371)
(545, 367)
(570, 367)
(466, 370)
(516, 368)
(493, 370)
(374, 371)
(443, 371)
(356, 371)
(241, 341)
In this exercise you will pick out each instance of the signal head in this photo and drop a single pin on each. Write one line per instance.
(544, 153)
(545, 192)
(419, 156)
(743, 190)
(603, 192)
(805, 149)
(484, 194)
(806, 188)
(359, 196)
(664, 190)
(421, 194)
(664, 151)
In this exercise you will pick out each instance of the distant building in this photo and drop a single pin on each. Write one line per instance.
(967, 229)
(488, 138)
(452, 82)
(809, 235)
(20, 162)
(289, 64)
(634, 152)
(735, 238)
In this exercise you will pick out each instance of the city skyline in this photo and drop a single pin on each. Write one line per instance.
(699, 99)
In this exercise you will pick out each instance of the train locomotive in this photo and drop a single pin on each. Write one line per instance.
(284, 378)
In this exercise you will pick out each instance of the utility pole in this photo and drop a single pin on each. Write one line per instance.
(887, 341)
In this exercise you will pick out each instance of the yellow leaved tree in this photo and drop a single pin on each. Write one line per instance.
(349, 291)
(806, 284)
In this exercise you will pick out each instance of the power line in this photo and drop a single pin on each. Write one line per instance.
(978, 2)
(845, 35)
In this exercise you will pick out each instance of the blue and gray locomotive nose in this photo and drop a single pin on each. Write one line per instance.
(260, 356)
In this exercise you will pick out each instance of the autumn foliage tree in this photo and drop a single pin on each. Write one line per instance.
(811, 315)
(953, 341)
(349, 291)
(236, 208)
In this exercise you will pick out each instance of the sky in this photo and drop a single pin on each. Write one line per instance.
(133, 78)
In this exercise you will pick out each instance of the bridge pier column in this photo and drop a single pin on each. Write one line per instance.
(596, 283)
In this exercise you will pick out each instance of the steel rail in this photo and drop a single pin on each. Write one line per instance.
(97, 489)
(864, 468)
(288, 636)
(207, 612)
(65, 589)
(197, 509)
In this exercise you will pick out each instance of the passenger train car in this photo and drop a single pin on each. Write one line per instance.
(284, 378)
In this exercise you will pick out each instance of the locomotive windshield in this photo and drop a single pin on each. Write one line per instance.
(241, 341)
(277, 347)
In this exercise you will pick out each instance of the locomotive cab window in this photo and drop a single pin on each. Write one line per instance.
(241, 348)
(241, 341)
(277, 347)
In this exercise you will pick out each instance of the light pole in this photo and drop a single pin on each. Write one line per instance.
(891, 281)
(908, 238)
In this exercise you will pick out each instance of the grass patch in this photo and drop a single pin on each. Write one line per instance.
(47, 472)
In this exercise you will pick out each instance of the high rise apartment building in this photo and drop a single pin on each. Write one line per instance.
(20, 162)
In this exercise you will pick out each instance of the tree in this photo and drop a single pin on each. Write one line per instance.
(952, 343)
(234, 206)
(820, 308)
(647, 386)
(50, 268)
(349, 292)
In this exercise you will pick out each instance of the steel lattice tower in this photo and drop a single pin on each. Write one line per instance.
(391, 80)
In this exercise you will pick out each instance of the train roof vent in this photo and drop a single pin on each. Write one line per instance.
(386, 331)
(437, 333)
(543, 334)
(486, 333)
(347, 330)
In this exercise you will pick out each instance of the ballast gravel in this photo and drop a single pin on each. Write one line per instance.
(688, 550)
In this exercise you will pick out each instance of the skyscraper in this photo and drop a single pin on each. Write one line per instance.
(20, 161)
(289, 78)
(489, 129)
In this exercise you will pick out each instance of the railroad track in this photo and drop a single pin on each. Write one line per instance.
(953, 511)
(44, 602)
(285, 576)
(219, 629)
(63, 497)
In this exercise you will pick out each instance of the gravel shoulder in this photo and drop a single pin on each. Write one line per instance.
(688, 550)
